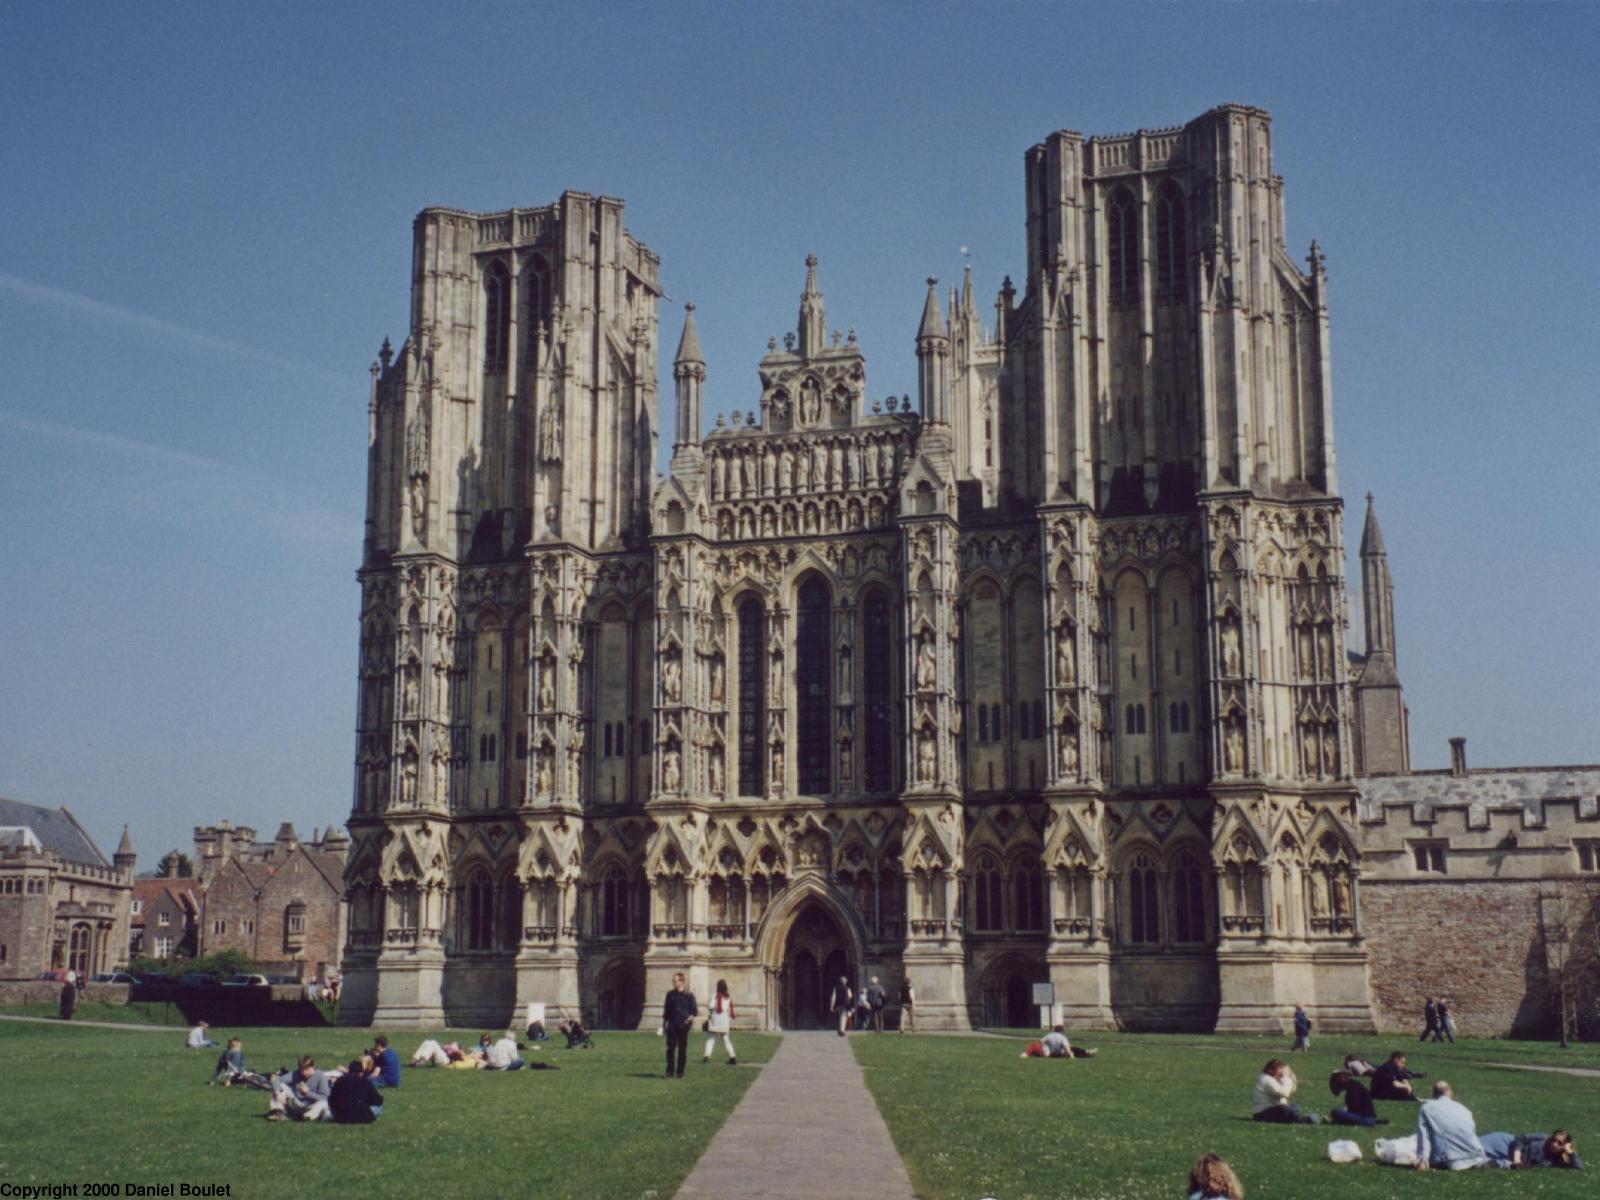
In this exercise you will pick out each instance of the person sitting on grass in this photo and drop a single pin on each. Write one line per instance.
(501, 1055)
(354, 1099)
(1211, 1178)
(432, 1054)
(301, 1095)
(231, 1069)
(1510, 1150)
(385, 1070)
(1447, 1136)
(1357, 1106)
(1271, 1100)
(200, 1037)
(576, 1034)
(1392, 1081)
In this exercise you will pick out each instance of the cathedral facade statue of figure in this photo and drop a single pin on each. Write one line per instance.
(714, 770)
(927, 755)
(718, 686)
(1233, 748)
(1066, 657)
(927, 663)
(550, 432)
(547, 687)
(671, 680)
(671, 770)
(1068, 753)
(1231, 662)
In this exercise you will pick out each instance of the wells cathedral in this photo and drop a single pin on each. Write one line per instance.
(1038, 677)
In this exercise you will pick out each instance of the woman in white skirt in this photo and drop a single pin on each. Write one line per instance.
(719, 1022)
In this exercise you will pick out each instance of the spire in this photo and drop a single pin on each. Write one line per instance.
(125, 855)
(967, 305)
(813, 328)
(932, 323)
(689, 343)
(1371, 535)
(689, 374)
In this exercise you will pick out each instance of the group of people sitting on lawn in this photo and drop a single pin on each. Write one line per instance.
(1446, 1134)
(346, 1096)
(504, 1053)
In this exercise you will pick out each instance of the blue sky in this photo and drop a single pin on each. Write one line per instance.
(206, 235)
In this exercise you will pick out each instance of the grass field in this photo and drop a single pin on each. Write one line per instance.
(971, 1119)
(82, 1105)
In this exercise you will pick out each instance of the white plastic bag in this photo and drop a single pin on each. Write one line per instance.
(1397, 1152)
(1344, 1151)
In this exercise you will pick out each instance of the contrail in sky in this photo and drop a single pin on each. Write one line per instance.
(197, 338)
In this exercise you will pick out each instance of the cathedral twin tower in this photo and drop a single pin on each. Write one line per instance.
(1039, 680)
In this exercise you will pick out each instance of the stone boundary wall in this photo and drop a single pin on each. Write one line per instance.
(45, 991)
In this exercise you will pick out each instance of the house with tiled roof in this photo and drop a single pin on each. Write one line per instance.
(63, 903)
(165, 918)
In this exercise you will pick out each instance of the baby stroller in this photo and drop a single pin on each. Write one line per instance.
(577, 1035)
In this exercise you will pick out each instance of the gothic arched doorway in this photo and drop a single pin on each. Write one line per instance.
(621, 996)
(1008, 993)
(816, 953)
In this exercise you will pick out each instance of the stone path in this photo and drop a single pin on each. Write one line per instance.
(1580, 1072)
(174, 1030)
(807, 1127)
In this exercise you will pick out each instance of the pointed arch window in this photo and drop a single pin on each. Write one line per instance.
(1171, 245)
(987, 909)
(509, 928)
(813, 661)
(1189, 900)
(537, 307)
(752, 655)
(478, 911)
(1122, 243)
(876, 651)
(614, 903)
(1027, 885)
(496, 316)
(1144, 901)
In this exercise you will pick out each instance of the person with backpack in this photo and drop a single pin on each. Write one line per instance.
(843, 998)
(875, 1002)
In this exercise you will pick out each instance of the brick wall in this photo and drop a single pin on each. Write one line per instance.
(1476, 942)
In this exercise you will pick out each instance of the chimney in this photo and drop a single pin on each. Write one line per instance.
(1458, 756)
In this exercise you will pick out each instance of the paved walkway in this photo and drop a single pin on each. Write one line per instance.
(1580, 1072)
(182, 1030)
(807, 1127)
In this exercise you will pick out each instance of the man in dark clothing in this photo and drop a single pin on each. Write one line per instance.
(842, 997)
(1430, 1015)
(353, 1099)
(875, 1002)
(1356, 1108)
(69, 1000)
(678, 1012)
(385, 1064)
(1392, 1081)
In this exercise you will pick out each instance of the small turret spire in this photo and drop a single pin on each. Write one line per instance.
(813, 325)
(689, 343)
(932, 322)
(689, 374)
(1371, 535)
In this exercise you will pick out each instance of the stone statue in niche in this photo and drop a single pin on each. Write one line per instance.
(417, 439)
(927, 662)
(776, 782)
(1066, 656)
(671, 770)
(1231, 660)
(718, 682)
(541, 774)
(885, 463)
(575, 762)
(1308, 747)
(1325, 644)
(1068, 753)
(719, 476)
(671, 679)
(1330, 752)
(926, 756)
(810, 402)
(779, 408)
(410, 700)
(1308, 665)
(769, 471)
(835, 465)
(1343, 901)
(441, 782)
(746, 483)
(1233, 748)
(408, 783)
(818, 468)
(1319, 894)
(547, 685)
(786, 471)
(550, 433)
(714, 770)
(846, 761)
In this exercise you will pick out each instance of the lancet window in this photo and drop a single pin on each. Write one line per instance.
(1122, 236)
(1171, 243)
(877, 647)
(496, 317)
(752, 637)
(813, 660)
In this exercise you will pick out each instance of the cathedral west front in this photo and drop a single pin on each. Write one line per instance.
(1035, 677)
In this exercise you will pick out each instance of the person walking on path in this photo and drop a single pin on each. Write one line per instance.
(1430, 1014)
(1302, 1031)
(719, 1023)
(69, 999)
(843, 997)
(678, 1012)
(908, 1006)
(1447, 1023)
(875, 1003)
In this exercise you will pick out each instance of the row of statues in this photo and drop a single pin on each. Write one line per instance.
(791, 468)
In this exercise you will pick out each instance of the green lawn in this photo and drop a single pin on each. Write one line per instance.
(83, 1105)
(142, 1013)
(972, 1119)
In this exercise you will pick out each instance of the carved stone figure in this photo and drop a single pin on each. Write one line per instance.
(1308, 746)
(835, 465)
(786, 471)
(926, 756)
(550, 432)
(671, 680)
(714, 770)
(927, 663)
(671, 770)
(1330, 753)
(846, 761)
(408, 783)
(776, 782)
(1230, 649)
(541, 775)
(410, 701)
(547, 686)
(718, 682)
(1233, 749)
(1068, 754)
(1066, 657)
(1319, 894)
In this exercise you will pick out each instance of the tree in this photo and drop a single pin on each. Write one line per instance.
(1570, 916)
(175, 864)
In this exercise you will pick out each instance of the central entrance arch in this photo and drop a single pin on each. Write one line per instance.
(815, 954)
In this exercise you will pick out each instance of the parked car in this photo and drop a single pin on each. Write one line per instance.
(245, 981)
(154, 979)
(198, 979)
(54, 975)
(286, 980)
(112, 977)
